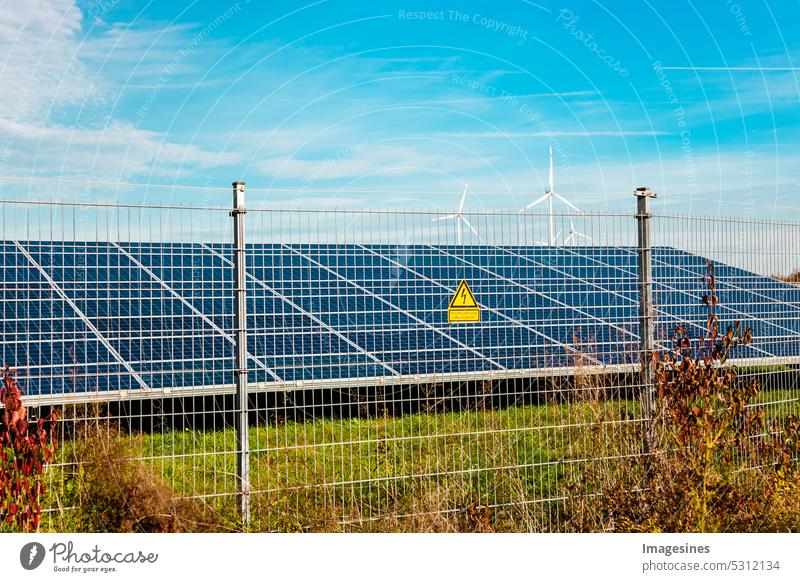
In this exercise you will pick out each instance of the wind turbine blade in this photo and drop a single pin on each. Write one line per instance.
(569, 238)
(555, 237)
(575, 233)
(550, 183)
(568, 203)
(534, 203)
(472, 228)
(463, 197)
(445, 217)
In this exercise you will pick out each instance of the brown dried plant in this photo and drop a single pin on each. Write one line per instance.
(699, 470)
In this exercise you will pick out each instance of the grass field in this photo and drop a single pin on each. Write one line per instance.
(368, 468)
(357, 473)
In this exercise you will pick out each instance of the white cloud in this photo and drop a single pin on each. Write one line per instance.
(39, 41)
(53, 69)
(365, 160)
(547, 134)
(118, 150)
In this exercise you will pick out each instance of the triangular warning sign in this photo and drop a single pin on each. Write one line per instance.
(463, 297)
(463, 307)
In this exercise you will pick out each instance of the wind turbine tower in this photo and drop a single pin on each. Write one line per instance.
(460, 219)
(549, 194)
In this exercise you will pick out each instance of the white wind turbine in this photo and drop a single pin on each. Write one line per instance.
(460, 218)
(574, 234)
(548, 197)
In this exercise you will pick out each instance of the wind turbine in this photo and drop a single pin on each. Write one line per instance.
(574, 233)
(460, 218)
(548, 197)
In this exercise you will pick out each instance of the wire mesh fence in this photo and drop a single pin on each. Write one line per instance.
(365, 407)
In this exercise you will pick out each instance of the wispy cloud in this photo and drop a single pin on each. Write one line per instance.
(366, 160)
(546, 134)
(757, 69)
(60, 97)
(39, 71)
(118, 150)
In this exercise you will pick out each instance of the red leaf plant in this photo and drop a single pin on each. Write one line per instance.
(25, 448)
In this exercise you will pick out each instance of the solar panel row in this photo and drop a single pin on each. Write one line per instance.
(107, 316)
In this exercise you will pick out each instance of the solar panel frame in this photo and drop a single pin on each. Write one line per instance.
(351, 314)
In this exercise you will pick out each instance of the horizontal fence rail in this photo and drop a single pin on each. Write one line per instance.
(361, 402)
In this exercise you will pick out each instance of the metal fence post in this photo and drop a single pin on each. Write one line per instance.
(240, 364)
(646, 340)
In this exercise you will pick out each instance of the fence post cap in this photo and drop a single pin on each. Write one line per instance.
(644, 191)
(238, 194)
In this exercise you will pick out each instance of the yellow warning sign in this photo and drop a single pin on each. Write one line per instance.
(463, 307)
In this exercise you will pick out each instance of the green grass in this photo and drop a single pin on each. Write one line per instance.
(322, 472)
(365, 468)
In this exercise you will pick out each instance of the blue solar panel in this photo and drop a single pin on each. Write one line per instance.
(82, 317)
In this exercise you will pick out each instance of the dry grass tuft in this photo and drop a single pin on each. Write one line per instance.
(115, 493)
(707, 461)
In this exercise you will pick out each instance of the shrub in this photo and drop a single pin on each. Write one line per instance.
(787, 445)
(25, 448)
(113, 492)
(695, 465)
(704, 415)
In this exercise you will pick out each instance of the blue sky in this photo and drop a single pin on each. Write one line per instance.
(397, 104)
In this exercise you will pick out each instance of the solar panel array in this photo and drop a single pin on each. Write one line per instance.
(86, 317)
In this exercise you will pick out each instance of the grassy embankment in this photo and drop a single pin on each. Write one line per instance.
(503, 469)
